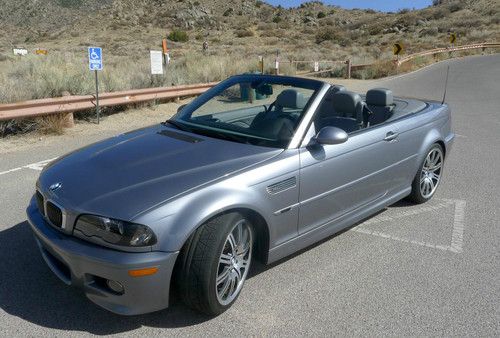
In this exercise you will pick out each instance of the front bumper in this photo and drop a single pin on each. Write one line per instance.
(88, 266)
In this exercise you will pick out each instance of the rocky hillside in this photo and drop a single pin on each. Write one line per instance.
(125, 27)
(243, 28)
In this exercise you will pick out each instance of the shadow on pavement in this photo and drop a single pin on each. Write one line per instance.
(30, 291)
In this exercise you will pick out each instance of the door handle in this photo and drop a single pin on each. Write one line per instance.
(390, 136)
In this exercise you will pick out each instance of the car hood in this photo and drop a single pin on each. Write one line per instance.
(130, 173)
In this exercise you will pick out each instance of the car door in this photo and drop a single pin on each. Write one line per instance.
(337, 180)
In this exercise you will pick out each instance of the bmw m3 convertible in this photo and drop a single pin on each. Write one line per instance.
(256, 168)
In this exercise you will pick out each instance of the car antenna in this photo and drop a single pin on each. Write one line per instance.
(446, 83)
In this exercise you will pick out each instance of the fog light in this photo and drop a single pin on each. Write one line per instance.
(115, 286)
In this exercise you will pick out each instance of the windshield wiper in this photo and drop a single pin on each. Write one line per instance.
(221, 135)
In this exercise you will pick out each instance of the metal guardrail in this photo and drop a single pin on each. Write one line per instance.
(446, 50)
(73, 103)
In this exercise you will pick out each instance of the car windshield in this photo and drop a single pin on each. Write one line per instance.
(260, 110)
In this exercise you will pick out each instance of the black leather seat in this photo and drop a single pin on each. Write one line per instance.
(347, 112)
(380, 101)
(326, 107)
(279, 123)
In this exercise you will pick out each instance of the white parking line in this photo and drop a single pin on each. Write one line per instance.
(456, 245)
(38, 166)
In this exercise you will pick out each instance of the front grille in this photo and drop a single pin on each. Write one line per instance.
(39, 203)
(54, 214)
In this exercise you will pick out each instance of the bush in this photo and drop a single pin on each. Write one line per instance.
(241, 33)
(332, 34)
(321, 15)
(178, 36)
(455, 6)
(228, 12)
(277, 19)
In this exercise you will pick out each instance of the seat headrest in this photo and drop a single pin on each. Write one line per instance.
(337, 88)
(290, 98)
(348, 103)
(379, 97)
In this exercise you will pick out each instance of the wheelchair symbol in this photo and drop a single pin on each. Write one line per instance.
(94, 55)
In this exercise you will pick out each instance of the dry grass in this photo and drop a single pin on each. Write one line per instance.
(35, 77)
(52, 124)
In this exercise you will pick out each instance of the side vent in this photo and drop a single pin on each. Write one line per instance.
(278, 187)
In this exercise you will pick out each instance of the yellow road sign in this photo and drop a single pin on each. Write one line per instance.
(41, 51)
(398, 48)
(453, 37)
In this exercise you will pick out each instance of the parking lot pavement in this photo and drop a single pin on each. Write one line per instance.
(430, 269)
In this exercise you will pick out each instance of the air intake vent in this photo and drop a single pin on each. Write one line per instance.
(40, 202)
(54, 214)
(282, 186)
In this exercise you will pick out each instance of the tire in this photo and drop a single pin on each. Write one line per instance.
(428, 176)
(214, 263)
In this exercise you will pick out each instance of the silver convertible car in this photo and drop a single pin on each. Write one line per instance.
(257, 167)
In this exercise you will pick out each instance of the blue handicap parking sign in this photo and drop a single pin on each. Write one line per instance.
(95, 58)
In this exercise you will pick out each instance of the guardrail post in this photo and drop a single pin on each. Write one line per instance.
(69, 121)
(348, 69)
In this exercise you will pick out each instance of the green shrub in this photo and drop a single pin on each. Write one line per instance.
(321, 15)
(334, 35)
(277, 19)
(228, 12)
(241, 33)
(70, 3)
(178, 36)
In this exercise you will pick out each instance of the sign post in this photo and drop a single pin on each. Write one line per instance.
(261, 64)
(453, 38)
(166, 54)
(95, 64)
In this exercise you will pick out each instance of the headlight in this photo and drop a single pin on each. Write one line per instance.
(115, 231)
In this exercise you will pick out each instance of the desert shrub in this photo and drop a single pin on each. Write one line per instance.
(439, 13)
(334, 35)
(321, 15)
(228, 12)
(259, 3)
(456, 6)
(408, 19)
(51, 124)
(376, 29)
(277, 19)
(378, 69)
(241, 33)
(70, 3)
(178, 36)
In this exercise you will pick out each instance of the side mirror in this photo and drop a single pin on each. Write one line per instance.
(181, 108)
(331, 135)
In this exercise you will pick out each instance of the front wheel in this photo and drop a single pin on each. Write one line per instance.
(215, 263)
(428, 177)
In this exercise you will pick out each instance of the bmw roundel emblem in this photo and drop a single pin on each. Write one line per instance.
(55, 186)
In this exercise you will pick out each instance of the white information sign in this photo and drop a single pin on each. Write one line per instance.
(316, 66)
(156, 62)
(20, 51)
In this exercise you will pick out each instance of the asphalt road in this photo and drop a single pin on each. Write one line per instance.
(430, 270)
